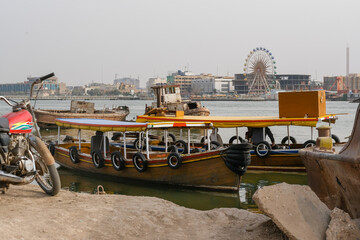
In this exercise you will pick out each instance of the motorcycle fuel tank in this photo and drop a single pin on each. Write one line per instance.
(20, 121)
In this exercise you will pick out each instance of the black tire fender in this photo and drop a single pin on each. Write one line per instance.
(262, 146)
(181, 144)
(309, 143)
(237, 157)
(285, 139)
(142, 146)
(52, 149)
(234, 138)
(238, 169)
(98, 159)
(174, 160)
(172, 148)
(117, 160)
(117, 135)
(335, 138)
(136, 144)
(73, 154)
(172, 136)
(139, 161)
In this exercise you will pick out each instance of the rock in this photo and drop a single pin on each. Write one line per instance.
(341, 226)
(357, 222)
(295, 209)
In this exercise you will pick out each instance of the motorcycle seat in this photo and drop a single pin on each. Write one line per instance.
(4, 125)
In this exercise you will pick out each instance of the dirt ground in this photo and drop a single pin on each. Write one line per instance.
(28, 213)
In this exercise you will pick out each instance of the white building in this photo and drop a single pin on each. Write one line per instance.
(212, 85)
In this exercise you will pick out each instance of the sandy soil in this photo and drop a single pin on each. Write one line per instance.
(28, 213)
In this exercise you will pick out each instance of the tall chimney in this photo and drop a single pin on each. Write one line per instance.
(347, 60)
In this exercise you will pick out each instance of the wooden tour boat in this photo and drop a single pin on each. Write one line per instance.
(285, 157)
(79, 109)
(219, 169)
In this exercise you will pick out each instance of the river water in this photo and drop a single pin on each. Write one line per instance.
(201, 200)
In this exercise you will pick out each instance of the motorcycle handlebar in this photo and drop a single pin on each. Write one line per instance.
(39, 80)
(7, 101)
(46, 77)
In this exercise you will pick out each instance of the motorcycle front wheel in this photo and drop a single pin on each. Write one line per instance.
(47, 176)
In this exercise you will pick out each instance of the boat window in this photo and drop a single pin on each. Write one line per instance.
(192, 105)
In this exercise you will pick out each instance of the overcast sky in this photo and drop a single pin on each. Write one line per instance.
(86, 41)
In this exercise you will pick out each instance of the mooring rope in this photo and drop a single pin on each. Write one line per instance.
(100, 190)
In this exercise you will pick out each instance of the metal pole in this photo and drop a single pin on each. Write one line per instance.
(188, 140)
(58, 135)
(288, 134)
(104, 145)
(264, 137)
(237, 135)
(208, 139)
(124, 137)
(165, 137)
(147, 145)
(79, 137)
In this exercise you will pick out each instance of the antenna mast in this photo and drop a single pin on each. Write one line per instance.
(347, 60)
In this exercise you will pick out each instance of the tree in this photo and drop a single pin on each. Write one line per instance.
(78, 92)
(95, 92)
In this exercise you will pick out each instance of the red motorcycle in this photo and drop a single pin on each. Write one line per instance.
(24, 157)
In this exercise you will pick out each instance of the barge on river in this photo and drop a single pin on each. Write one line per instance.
(79, 109)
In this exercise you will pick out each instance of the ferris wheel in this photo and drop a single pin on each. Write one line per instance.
(260, 71)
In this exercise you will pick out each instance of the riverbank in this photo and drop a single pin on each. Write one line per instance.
(104, 97)
(28, 213)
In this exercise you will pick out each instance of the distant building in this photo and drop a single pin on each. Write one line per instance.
(200, 84)
(110, 89)
(294, 82)
(330, 83)
(289, 82)
(183, 79)
(212, 85)
(343, 83)
(352, 82)
(154, 82)
(127, 88)
(128, 81)
(51, 86)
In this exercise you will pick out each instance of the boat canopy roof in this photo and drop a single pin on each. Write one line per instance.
(237, 121)
(100, 124)
(179, 125)
(122, 126)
